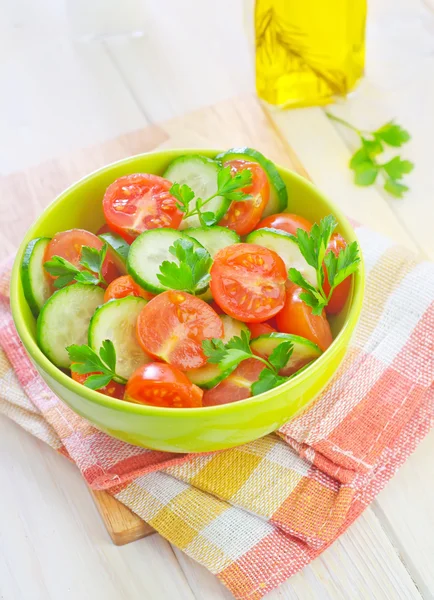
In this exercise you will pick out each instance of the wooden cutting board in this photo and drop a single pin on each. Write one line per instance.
(238, 122)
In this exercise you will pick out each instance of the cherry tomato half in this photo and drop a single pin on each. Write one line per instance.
(248, 282)
(68, 245)
(113, 389)
(296, 317)
(243, 216)
(138, 202)
(173, 325)
(159, 384)
(341, 292)
(125, 286)
(236, 386)
(286, 222)
(257, 329)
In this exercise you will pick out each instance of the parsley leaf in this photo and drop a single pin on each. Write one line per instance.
(395, 188)
(103, 366)
(397, 168)
(267, 381)
(313, 246)
(96, 382)
(229, 186)
(191, 274)
(364, 161)
(184, 195)
(281, 355)
(91, 259)
(366, 173)
(228, 356)
(392, 134)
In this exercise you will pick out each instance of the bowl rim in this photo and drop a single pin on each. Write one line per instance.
(95, 397)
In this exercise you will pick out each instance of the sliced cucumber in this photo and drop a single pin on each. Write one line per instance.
(119, 250)
(210, 375)
(213, 238)
(284, 245)
(199, 173)
(278, 201)
(116, 321)
(232, 327)
(35, 281)
(64, 320)
(304, 351)
(148, 252)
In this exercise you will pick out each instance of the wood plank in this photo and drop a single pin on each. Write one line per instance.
(123, 526)
(345, 570)
(53, 543)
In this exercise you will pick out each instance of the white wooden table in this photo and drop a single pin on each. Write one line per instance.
(57, 96)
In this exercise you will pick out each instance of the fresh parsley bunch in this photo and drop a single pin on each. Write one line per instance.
(228, 356)
(365, 161)
(191, 274)
(92, 261)
(85, 360)
(229, 186)
(313, 246)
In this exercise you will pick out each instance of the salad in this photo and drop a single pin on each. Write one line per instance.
(198, 290)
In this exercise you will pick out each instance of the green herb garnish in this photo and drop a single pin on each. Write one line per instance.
(85, 360)
(92, 261)
(365, 163)
(313, 246)
(191, 274)
(228, 356)
(229, 186)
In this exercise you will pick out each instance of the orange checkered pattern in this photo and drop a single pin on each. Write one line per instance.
(257, 514)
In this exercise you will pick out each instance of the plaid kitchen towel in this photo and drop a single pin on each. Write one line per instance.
(257, 514)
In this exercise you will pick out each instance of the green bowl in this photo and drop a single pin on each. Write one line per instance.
(193, 429)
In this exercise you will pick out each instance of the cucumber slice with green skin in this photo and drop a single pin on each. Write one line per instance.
(35, 281)
(210, 375)
(278, 201)
(304, 351)
(148, 252)
(64, 320)
(119, 250)
(284, 245)
(116, 321)
(199, 173)
(213, 238)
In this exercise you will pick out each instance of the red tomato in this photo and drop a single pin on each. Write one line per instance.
(257, 329)
(138, 202)
(125, 286)
(113, 389)
(173, 325)
(296, 317)
(104, 229)
(242, 217)
(248, 282)
(68, 245)
(236, 386)
(159, 384)
(341, 292)
(286, 222)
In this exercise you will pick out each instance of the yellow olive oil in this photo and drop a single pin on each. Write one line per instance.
(308, 51)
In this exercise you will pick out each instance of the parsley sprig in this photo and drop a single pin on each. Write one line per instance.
(85, 360)
(365, 163)
(229, 186)
(92, 261)
(228, 356)
(191, 274)
(313, 246)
